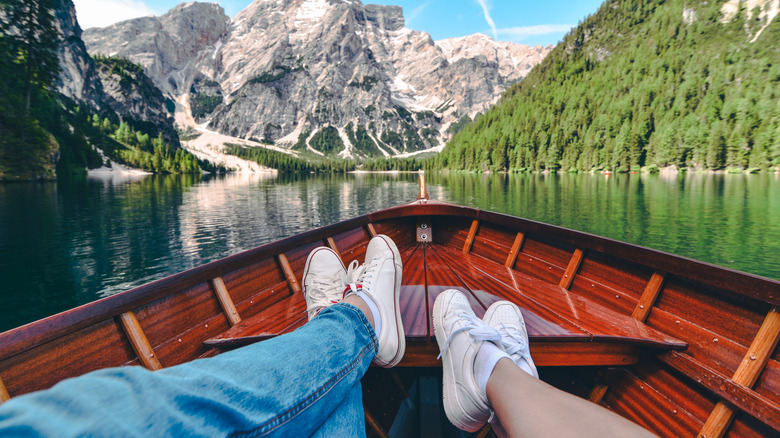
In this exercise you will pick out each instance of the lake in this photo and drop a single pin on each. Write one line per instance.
(68, 243)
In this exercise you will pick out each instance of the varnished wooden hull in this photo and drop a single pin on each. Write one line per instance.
(678, 346)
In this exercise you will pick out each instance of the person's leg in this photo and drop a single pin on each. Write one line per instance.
(348, 419)
(527, 407)
(294, 384)
(289, 385)
(488, 370)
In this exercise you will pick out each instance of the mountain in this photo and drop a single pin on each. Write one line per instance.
(63, 112)
(642, 84)
(317, 76)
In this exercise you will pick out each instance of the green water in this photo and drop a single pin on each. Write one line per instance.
(68, 243)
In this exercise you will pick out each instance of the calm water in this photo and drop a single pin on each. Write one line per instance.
(67, 243)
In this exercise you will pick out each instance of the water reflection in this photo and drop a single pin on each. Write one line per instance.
(69, 243)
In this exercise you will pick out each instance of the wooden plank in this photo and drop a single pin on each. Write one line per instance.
(571, 270)
(412, 300)
(647, 301)
(545, 353)
(554, 303)
(470, 237)
(640, 402)
(640, 314)
(597, 393)
(288, 273)
(225, 301)
(4, 396)
(740, 396)
(516, 247)
(371, 229)
(277, 319)
(332, 245)
(139, 342)
(747, 373)
(371, 421)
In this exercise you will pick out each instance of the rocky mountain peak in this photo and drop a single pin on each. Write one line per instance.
(167, 46)
(291, 72)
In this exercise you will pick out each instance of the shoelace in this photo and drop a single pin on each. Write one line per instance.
(321, 286)
(520, 344)
(478, 330)
(357, 275)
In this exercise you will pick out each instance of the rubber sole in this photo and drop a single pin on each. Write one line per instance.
(401, 336)
(452, 407)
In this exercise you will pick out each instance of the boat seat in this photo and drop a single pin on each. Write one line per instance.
(564, 328)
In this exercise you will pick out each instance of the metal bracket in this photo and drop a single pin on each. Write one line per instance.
(424, 230)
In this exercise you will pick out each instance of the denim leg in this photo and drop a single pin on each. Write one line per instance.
(286, 386)
(348, 419)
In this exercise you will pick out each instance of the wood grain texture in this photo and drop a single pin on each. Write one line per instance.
(277, 319)
(704, 345)
(289, 274)
(189, 344)
(649, 407)
(649, 296)
(169, 317)
(225, 301)
(571, 269)
(332, 245)
(545, 353)
(4, 396)
(371, 229)
(352, 244)
(747, 373)
(530, 264)
(471, 235)
(597, 392)
(614, 275)
(511, 258)
(554, 303)
(139, 342)
(102, 345)
(740, 396)
(412, 299)
(493, 243)
(248, 281)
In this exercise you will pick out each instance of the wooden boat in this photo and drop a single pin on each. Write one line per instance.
(679, 346)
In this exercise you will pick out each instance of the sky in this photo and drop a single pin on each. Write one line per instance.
(522, 21)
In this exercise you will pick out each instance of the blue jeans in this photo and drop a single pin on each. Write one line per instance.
(303, 383)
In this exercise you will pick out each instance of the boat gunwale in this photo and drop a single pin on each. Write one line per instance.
(761, 288)
(36, 333)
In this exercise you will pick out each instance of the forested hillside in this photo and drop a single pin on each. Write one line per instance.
(44, 133)
(641, 83)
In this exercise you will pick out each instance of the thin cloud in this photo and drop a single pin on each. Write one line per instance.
(417, 11)
(488, 18)
(102, 13)
(520, 33)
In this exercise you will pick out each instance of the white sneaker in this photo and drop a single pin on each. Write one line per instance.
(380, 279)
(323, 280)
(507, 319)
(460, 335)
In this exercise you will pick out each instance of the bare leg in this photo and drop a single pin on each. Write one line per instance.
(528, 407)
